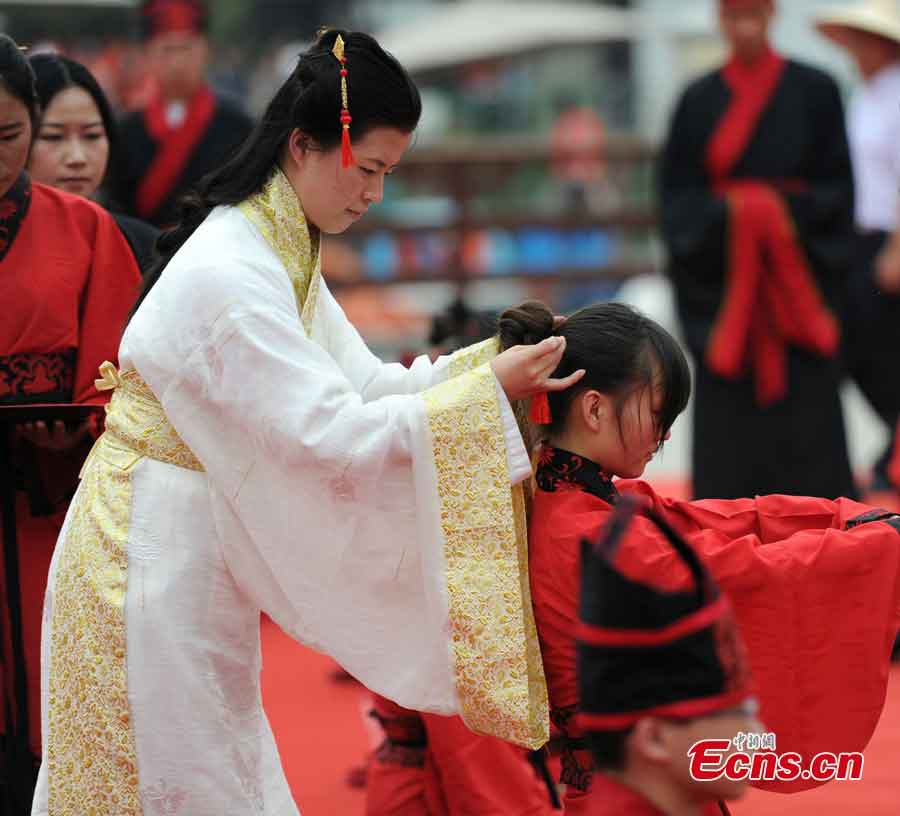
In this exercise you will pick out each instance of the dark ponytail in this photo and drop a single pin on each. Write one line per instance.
(620, 350)
(382, 94)
(18, 78)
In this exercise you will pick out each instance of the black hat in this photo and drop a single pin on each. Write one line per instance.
(168, 16)
(648, 652)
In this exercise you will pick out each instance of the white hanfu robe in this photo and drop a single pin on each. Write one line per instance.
(257, 456)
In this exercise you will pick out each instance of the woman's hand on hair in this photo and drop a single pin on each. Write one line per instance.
(526, 370)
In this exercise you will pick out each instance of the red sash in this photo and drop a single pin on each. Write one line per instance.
(771, 297)
(175, 148)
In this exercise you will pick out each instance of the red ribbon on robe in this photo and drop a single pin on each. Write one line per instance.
(771, 298)
(175, 148)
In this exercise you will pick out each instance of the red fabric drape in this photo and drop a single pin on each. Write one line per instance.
(811, 597)
(771, 298)
(752, 87)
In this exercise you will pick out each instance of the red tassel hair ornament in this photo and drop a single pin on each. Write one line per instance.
(539, 413)
(346, 149)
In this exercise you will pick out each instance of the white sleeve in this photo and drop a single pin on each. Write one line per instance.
(370, 377)
(517, 459)
(373, 379)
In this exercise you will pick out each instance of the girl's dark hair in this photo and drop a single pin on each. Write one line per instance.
(18, 78)
(381, 94)
(54, 74)
(620, 349)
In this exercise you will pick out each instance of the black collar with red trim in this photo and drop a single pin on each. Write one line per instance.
(560, 470)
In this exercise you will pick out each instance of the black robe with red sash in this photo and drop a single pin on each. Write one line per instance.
(757, 217)
(162, 162)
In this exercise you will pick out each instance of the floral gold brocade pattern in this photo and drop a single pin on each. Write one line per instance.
(90, 745)
(473, 356)
(90, 752)
(499, 675)
(277, 214)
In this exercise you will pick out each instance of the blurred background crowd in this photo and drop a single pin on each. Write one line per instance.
(533, 172)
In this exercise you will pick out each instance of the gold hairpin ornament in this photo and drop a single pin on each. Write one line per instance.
(346, 149)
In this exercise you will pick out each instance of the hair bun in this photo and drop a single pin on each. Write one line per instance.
(525, 325)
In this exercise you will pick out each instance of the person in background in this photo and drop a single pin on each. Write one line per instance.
(645, 704)
(756, 200)
(870, 32)
(67, 281)
(577, 149)
(77, 148)
(186, 131)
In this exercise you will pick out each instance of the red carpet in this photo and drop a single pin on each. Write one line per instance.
(322, 734)
(318, 724)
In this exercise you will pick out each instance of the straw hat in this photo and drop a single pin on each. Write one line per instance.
(881, 17)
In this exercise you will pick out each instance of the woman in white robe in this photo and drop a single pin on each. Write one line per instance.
(257, 456)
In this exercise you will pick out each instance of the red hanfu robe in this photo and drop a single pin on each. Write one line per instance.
(611, 798)
(815, 586)
(67, 281)
(435, 766)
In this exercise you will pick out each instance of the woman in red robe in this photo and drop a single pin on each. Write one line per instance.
(815, 583)
(67, 281)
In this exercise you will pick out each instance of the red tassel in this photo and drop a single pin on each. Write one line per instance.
(540, 409)
(346, 150)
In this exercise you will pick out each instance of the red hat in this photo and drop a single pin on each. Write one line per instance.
(169, 16)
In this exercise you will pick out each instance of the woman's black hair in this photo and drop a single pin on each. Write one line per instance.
(620, 349)
(18, 78)
(381, 94)
(55, 73)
